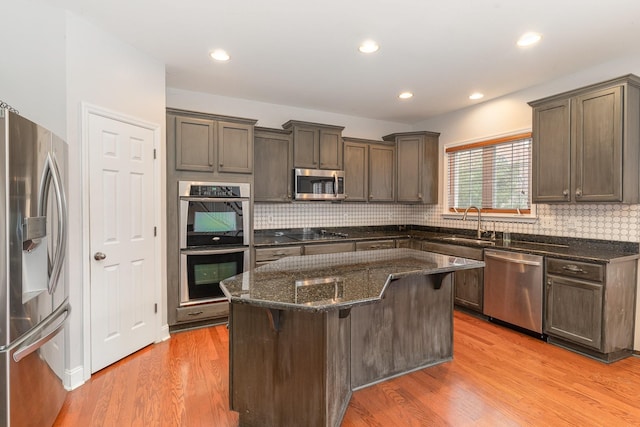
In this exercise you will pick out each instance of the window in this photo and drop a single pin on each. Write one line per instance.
(492, 175)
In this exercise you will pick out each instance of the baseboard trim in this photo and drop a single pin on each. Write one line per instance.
(73, 378)
(163, 334)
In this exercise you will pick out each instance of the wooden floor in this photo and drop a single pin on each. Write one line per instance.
(498, 378)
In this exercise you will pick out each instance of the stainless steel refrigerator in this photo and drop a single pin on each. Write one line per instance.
(33, 293)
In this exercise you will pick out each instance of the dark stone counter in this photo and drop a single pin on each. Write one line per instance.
(335, 281)
(586, 250)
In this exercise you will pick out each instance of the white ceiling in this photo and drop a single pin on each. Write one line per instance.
(304, 53)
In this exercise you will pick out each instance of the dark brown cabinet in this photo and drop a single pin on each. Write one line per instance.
(586, 144)
(210, 143)
(369, 169)
(589, 307)
(200, 147)
(194, 144)
(417, 166)
(468, 285)
(273, 165)
(316, 146)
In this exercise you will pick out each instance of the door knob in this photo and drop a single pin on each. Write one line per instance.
(99, 256)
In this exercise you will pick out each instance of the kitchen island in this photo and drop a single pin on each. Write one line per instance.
(306, 331)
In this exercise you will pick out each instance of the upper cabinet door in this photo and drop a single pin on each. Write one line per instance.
(382, 172)
(551, 152)
(330, 149)
(356, 171)
(195, 144)
(410, 155)
(306, 147)
(235, 147)
(598, 146)
(272, 167)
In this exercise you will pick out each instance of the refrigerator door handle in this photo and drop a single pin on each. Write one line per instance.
(33, 341)
(51, 174)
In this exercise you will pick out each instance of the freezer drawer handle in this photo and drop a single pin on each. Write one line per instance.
(513, 260)
(31, 342)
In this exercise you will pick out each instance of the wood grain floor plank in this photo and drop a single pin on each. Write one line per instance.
(498, 377)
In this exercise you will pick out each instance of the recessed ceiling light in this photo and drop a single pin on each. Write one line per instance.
(405, 95)
(368, 46)
(476, 95)
(529, 39)
(219, 55)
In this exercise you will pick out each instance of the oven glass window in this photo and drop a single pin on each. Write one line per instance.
(205, 272)
(215, 223)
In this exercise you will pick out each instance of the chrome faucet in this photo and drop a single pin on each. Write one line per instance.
(464, 218)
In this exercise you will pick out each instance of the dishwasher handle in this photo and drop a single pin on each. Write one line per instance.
(511, 259)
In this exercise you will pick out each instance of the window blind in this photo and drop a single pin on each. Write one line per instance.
(493, 175)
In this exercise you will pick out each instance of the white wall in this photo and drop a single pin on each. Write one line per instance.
(511, 113)
(274, 116)
(32, 70)
(107, 73)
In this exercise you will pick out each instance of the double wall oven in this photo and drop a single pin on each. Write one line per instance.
(215, 238)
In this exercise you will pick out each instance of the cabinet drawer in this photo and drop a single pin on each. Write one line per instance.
(203, 311)
(581, 270)
(375, 244)
(272, 254)
(331, 248)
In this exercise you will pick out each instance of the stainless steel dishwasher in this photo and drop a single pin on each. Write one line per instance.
(513, 288)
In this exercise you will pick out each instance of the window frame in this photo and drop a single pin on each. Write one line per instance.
(510, 215)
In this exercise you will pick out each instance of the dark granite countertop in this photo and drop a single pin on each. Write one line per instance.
(335, 281)
(586, 250)
(307, 236)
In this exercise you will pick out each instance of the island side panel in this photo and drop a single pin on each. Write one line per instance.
(295, 376)
(410, 328)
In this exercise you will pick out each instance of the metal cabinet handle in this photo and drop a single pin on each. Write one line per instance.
(195, 313)
(573, 268)
(578, 192)
(565, 193)
(99, 256)
(419, 195)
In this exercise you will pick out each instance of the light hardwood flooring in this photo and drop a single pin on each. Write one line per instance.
(498, 377)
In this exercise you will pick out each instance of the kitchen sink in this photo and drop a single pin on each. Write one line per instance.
(481, 242)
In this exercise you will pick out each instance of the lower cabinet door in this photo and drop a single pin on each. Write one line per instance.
(468, 288)
(574, 311)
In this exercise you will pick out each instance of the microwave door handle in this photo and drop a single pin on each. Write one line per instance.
(335, 184)
(51, 174)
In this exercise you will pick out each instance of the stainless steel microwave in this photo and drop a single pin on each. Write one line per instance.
(318, 184)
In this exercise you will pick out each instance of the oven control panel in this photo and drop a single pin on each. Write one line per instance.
(214, 191)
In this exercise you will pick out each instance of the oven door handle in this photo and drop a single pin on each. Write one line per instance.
(213, 251)
(214, 199)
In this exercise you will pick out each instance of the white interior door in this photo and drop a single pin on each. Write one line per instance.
(123, 264)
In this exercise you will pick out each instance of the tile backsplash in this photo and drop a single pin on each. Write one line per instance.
(594, 221)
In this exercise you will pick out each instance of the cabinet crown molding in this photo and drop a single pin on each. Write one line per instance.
(629, 79)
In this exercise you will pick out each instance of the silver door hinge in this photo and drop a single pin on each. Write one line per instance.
(156, 307)
(155, 231)
(154, 153)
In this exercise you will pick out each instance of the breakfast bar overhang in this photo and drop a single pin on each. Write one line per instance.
(306, 331)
